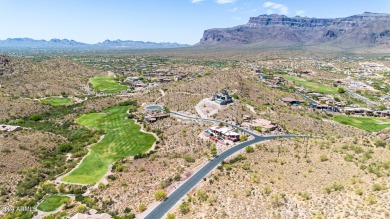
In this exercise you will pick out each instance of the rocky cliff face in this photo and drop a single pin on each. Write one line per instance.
(367, 29)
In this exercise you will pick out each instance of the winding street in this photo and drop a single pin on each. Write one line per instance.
(165, 206)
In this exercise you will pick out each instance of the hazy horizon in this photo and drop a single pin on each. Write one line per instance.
(176, 21)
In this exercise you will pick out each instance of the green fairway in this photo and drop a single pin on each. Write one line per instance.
(106, 84)
(52, 202)
(370, 124)
(57, 101)
(313, 86)
(123, 138)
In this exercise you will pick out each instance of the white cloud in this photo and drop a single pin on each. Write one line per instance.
(196, 1)
(300, 13)
(221, 2)
(234, 9)
(275, 7)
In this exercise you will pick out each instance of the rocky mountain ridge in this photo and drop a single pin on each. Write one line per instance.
(364, 30)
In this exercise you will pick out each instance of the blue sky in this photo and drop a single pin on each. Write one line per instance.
(181, 21)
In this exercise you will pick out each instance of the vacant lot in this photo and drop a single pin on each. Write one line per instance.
(52, 202)
(313, 86)
(123, 138)
(57, 101)
(366, 123)
(106, 84)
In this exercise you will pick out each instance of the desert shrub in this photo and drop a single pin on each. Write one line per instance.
(334, 187)
(267, 190)
(341, 90)
(246, 166)
(36, 117)
(142, 207)
(359, 192)
(189, 159)
(323, 158)
(165, 183)
(243, 138)
(348, 157)
(238, 158)
(380, 143)
(49, 188)
(378, 187)
(201, 195)
(177, 177)
(111, 177)
(184, 207)
(64, 148)
(371, 200)
(305, 195)
(81, 208)
(171, 216)
(278, 200)
(249, 149)
(160, 195)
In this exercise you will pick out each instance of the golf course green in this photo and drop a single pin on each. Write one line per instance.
(57, 101)
(310, 85)
(371, 124)
(52, 202)
(106, 84)
(123, 138)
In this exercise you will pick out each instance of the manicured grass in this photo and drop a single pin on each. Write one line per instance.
(106, 84)
(57, 101)
(52, 202)
(123, 139)
(371, 124)
(316, 87)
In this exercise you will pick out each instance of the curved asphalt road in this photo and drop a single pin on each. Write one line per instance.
(165, 206)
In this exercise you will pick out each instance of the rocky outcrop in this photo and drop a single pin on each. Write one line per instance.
(4, 64)
(367, 29)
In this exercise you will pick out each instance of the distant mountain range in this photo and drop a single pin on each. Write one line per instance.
(20, 43)
(364, 30)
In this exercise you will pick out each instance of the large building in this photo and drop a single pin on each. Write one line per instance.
(222, 98)
(226, 133)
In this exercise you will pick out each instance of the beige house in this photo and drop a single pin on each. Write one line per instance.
(9, 128)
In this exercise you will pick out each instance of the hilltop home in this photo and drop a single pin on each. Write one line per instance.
(292, 101)
(358, 111)
(225, 132)
(223, 98)
(179, 77)
(9, 128)
(385, 113)
(324, 107)
(151, 118)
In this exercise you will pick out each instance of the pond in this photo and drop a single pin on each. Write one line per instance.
(154, 107)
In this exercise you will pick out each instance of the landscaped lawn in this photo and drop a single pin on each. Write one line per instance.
(123, 138)
(52, 202)
(371, 124)
(106, 84)
(313, 86)
(57, 101)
